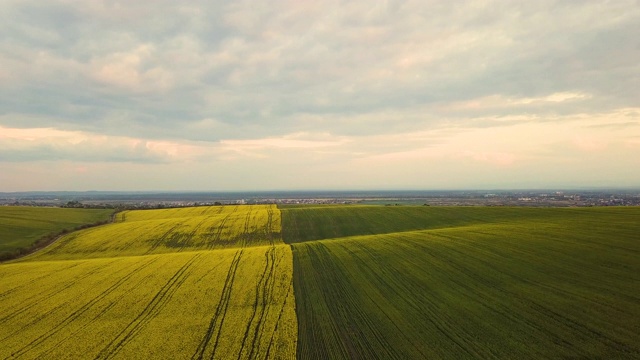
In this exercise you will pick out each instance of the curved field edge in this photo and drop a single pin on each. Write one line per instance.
(24, 229)
(562, 284)
(301, 223)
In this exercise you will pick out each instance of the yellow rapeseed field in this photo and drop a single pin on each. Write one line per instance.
(143, 232)
(204, 282)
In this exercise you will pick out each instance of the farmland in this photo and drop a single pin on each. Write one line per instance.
(370, 282)
(498, 283)
(171, 230)
(22, 226)
(207, 282)
(335, 221)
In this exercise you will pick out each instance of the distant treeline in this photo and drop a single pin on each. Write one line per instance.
(74, 204)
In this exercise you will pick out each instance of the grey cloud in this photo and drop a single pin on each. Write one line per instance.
(269, 69)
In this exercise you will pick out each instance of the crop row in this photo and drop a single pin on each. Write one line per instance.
(150, 306)
(310, 223)
(171, 230)
(386, 283)
(86, 296)
(555, 287)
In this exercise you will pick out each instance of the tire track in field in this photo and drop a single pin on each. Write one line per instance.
(148, 313)
(269, 225)
(193, 233)
(536, 309)
(538, 284)
(318, 334)
(345, 328)
(539, 308)
(366, 266)
(215, 326)
(73, 316)
(246, 235)
(138, 227)
(275, 330)
(41, 317)
(29, 305)
(359, 334)
(454, 334)
(218, 237)
(485, 299)
(162, 239)
(96, 317)
(264, 289)
(267, 296)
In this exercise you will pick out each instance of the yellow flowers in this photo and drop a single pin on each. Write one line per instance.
(143, 232)
(370, 282)
(175, 283)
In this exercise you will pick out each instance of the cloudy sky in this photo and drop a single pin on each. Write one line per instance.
(276, 95)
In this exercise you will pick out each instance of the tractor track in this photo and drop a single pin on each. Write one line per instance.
(73, 316)
(150, 311)
(215, 326)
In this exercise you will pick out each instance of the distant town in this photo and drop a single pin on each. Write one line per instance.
(143, 200)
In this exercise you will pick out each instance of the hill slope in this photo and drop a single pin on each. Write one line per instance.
(370, 282)
(308, 223)
(131, 290)
(144, 232)
(503, 283)
(22, 226)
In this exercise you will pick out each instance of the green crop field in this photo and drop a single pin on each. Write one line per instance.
(206, 282)
(22, 226)
(332, 282)
(330, 221)
(466, 282)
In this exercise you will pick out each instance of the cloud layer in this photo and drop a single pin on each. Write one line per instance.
(333, 94)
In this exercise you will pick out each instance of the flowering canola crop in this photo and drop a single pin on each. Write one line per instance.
(200, 283)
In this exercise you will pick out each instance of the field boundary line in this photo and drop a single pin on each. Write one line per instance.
(365, 237)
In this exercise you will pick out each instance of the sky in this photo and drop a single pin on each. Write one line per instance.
(300, 95)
